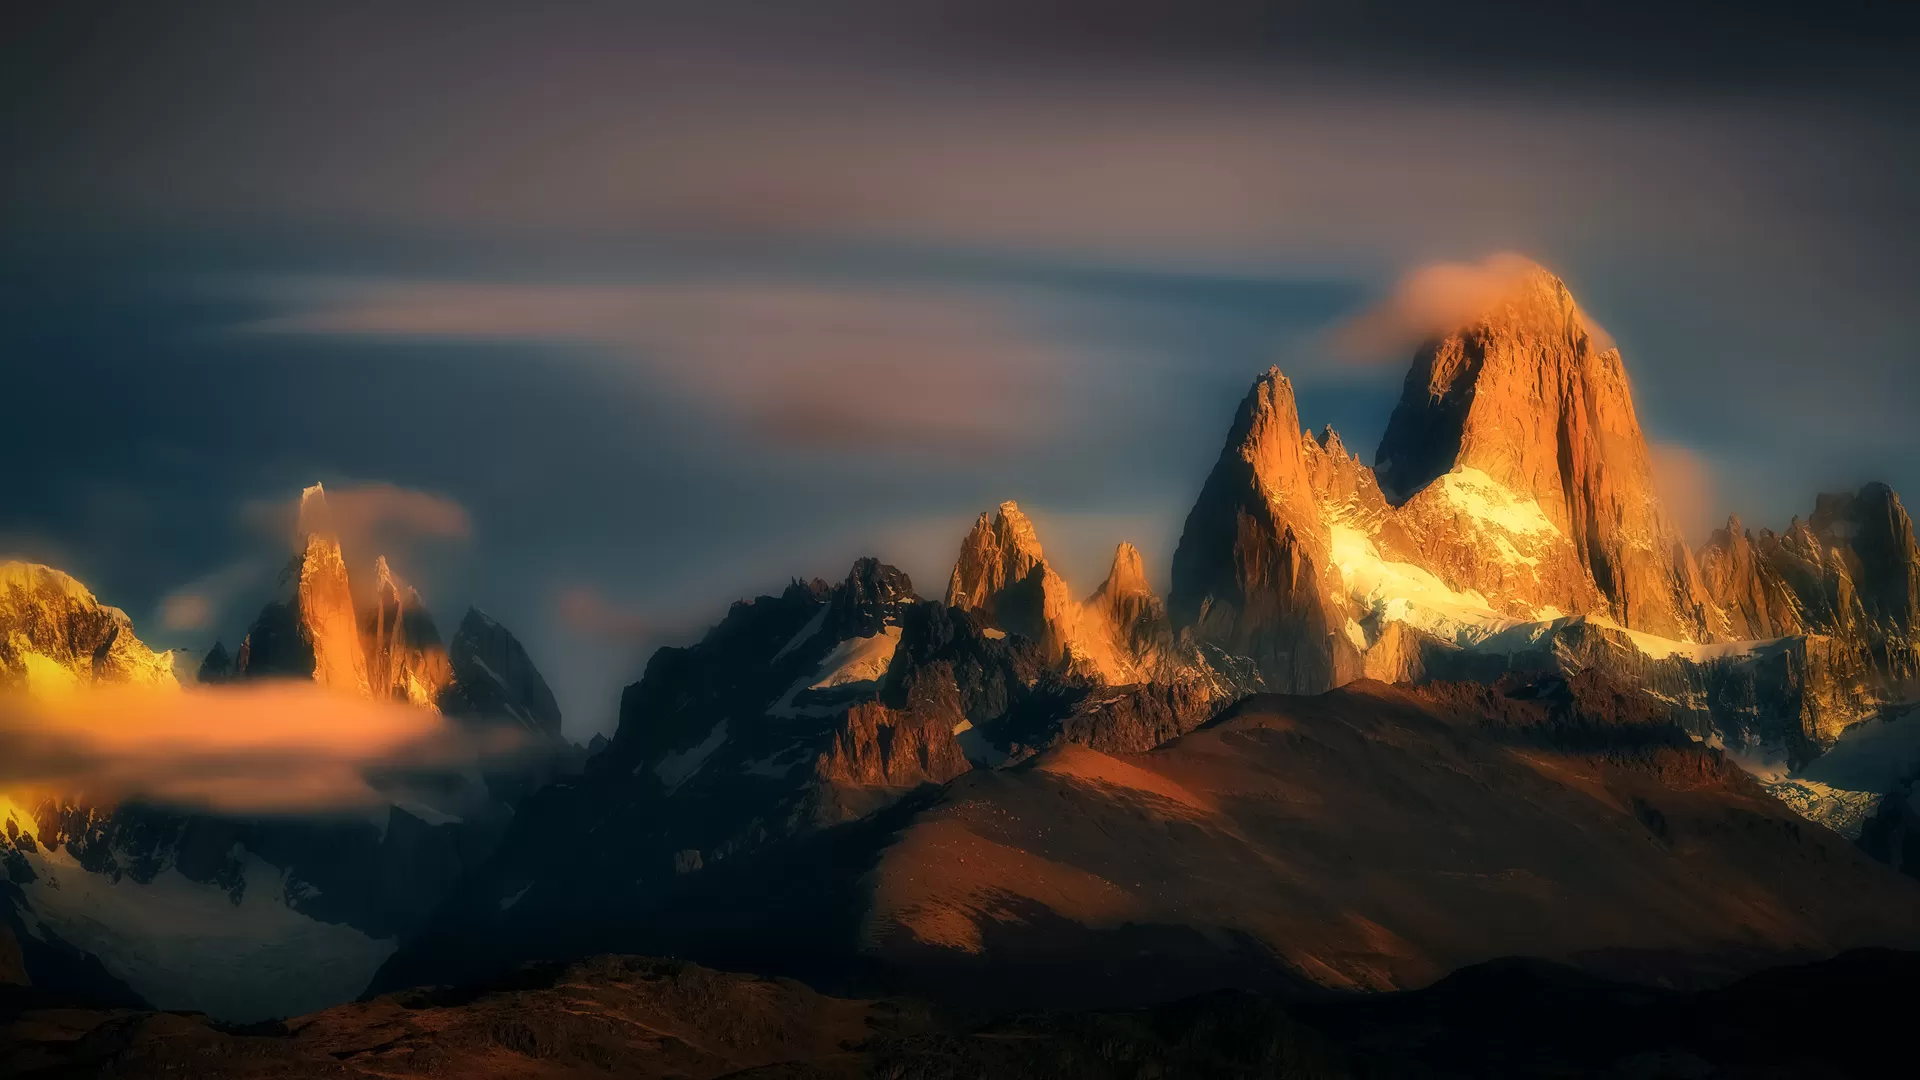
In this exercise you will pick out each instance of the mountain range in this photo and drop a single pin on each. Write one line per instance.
(1480, 699)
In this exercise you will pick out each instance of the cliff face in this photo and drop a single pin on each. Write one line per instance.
(1849, 573)
(1002, 576)
(494, 678)
(405, 659)
(1125, 612)
(1748, 596)
(1252, 574)
(311, 629)
(1528, 397)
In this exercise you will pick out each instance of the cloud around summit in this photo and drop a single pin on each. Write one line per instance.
(275, 746)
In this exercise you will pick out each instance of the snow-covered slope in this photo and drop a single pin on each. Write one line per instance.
(235, 949)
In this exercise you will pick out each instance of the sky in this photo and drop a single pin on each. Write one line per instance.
(602, 316)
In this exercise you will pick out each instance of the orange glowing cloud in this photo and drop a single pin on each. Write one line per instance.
(369, 516)
(849, 364)
(584, 611)
(269, 747)
(1431, 301)
(1684, 481)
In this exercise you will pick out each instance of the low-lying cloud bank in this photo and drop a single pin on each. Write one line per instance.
(278, 747)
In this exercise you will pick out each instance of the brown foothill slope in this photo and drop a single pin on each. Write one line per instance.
(1369, 838)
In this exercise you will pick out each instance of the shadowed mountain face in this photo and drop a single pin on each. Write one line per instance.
(1372, 838)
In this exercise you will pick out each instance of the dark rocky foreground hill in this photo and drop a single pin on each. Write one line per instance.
(616, 1016)
(1369, 838)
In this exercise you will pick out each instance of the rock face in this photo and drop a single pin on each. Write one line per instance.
(1129, 617)
(1847, 575)
(405, 659)
(53, 633)
(312, 629)
(1003, 578)
(1749, 597)
(1528, 396)
(494, 678)
(1253, 573)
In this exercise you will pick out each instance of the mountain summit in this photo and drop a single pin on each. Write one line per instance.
(1529, 394)
(311, 629)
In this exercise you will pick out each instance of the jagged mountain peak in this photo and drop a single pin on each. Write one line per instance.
(405, 658)
(54, 632)
(494, 678)
(870, 599)
(1266, 435)
(1000, 551)
(314, 517)
(1128, 574)
(1251, 574)
(1531, 396)
(216, 666)
(312, 629)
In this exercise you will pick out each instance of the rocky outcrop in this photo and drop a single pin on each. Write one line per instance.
(405, 658)
(54, 634)
(1252, 573)
(494, 679)
(1135, 719)
(1748, 597)
(874, 746)
(311, 630)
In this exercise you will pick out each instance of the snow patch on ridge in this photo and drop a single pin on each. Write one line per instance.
(678, 768)
(1389, 591)
(1485, 499)
(185, 945)
(806, 633)
(857, 660)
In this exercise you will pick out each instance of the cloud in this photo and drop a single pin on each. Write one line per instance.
(841, 364)
(587, 613)
(198, 604)
(369, 516)
(268, 747)
(1685, 483)
(1432, 301)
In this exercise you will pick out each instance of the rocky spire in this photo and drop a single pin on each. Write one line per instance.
(217, 666)
(312, 629)
(1126, 612)
(1531, 394)
(1251, 574)
(1749, 597)
(870, 599)
(494, 679)
(1003, 578)
(405, 658)
(1873, 537)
